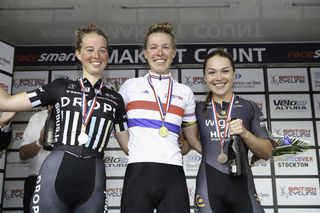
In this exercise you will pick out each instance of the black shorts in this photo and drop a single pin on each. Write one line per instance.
(69, 182)
(217, 192)
(149, 186)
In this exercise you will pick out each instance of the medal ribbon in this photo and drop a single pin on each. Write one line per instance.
(215, 116)
(162, 112)
(87, 113)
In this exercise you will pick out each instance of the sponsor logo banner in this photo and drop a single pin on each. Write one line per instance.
(5, 82)
(300, 192)
(6, 57)
(260, 100)
(302, 129)
(290, 106)
(114, 192)
(316, 101)
(194, 79)
(186, 54)
(288, 79)
(13, 194)
(300, 164)
(315, 79)
(261, 168)
(191, 163)
(27, 81)
(17, 134)
(115, 163)
(264, 191)
(248, 80)
(115, 78)
(16, 168)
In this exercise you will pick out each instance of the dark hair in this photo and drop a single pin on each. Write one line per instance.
(217, 52)
(164, 27)
(90, 28)
(220, 52)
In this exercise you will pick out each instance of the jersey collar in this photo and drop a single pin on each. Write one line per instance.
(158, 76)
(87, 83)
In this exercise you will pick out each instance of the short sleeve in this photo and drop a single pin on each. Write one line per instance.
(189, 110)
(258, 124)
(120, 123)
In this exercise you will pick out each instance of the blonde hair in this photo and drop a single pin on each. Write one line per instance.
(163, 27)
(81, 32)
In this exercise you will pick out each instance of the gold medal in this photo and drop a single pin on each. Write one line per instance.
(163, 131)
(222, 158)
(223, 112)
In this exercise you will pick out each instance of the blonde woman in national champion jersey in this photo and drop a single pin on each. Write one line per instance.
(157, 107)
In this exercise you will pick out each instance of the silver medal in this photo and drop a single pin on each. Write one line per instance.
(83, 138)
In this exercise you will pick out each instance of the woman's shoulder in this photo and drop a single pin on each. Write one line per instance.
(183, 87)
(200, 103)
(133, 81)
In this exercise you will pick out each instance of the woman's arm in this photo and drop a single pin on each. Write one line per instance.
(14, 103)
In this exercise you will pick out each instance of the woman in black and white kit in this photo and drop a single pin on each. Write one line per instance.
(72, 178)
(221, 186)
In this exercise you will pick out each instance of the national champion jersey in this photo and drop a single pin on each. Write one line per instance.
(247, 111)
(144, 120)
(66, 95)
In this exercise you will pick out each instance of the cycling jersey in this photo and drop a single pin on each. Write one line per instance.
(144, 120)
(72, 178)
(217, 190)
(65, 96)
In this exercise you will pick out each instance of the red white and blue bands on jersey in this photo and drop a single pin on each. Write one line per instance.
(145, 142)
(149, 106)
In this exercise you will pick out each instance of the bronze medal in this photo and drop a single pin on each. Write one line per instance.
(222, 158)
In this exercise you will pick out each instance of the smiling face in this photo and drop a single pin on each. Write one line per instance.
(219, 75)
(93, 55)
(159, 52)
